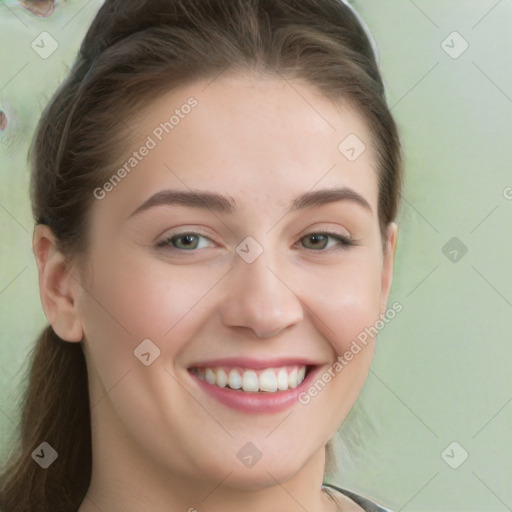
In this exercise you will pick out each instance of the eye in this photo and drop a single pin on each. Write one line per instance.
(184, 241)
(320, 241)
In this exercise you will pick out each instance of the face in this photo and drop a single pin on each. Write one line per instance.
(260, 288)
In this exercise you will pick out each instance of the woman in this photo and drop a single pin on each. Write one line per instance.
(214, 190)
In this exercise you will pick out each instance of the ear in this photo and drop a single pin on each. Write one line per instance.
(388, 264)
(56, 286)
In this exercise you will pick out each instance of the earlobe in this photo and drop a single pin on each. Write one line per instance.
(388, 265)
(56, 286)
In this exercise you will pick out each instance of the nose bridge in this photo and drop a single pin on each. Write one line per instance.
(259, 298)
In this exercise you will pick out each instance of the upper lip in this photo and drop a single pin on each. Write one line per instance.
(257, 364)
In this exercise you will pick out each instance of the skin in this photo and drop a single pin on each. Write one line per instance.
(158, 441)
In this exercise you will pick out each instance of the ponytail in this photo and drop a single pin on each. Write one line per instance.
(55, 410)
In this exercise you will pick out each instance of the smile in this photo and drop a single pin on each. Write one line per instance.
(269, 380)
(252, 385)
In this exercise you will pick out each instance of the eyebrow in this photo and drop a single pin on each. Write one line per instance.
(226, 204)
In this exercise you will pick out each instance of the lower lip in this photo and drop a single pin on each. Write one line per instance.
(258, 402)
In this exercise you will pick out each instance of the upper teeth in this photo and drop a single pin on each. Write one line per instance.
(269, 379)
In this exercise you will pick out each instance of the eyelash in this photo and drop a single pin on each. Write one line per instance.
(344, 241)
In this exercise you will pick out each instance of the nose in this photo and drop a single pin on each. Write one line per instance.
(260, 299)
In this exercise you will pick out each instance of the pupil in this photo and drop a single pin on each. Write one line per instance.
(187, 239)
(317, 239)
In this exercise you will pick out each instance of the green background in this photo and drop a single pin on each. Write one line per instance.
(442, 369)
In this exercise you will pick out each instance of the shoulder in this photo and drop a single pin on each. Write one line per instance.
(365, 503)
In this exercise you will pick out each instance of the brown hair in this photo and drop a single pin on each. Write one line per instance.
(133, 51)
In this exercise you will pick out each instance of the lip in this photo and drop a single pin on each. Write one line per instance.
(261, 402)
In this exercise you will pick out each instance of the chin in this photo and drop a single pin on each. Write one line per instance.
(261, 476)
(265, 472)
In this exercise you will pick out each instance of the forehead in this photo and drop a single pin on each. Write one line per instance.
(252, 137)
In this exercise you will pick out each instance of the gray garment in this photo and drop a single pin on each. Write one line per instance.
(365, 503)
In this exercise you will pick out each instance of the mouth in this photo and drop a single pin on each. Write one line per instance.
(251, 386)
(248, 380)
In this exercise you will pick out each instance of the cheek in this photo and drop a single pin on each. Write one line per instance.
(146, 300)
(345, 298)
